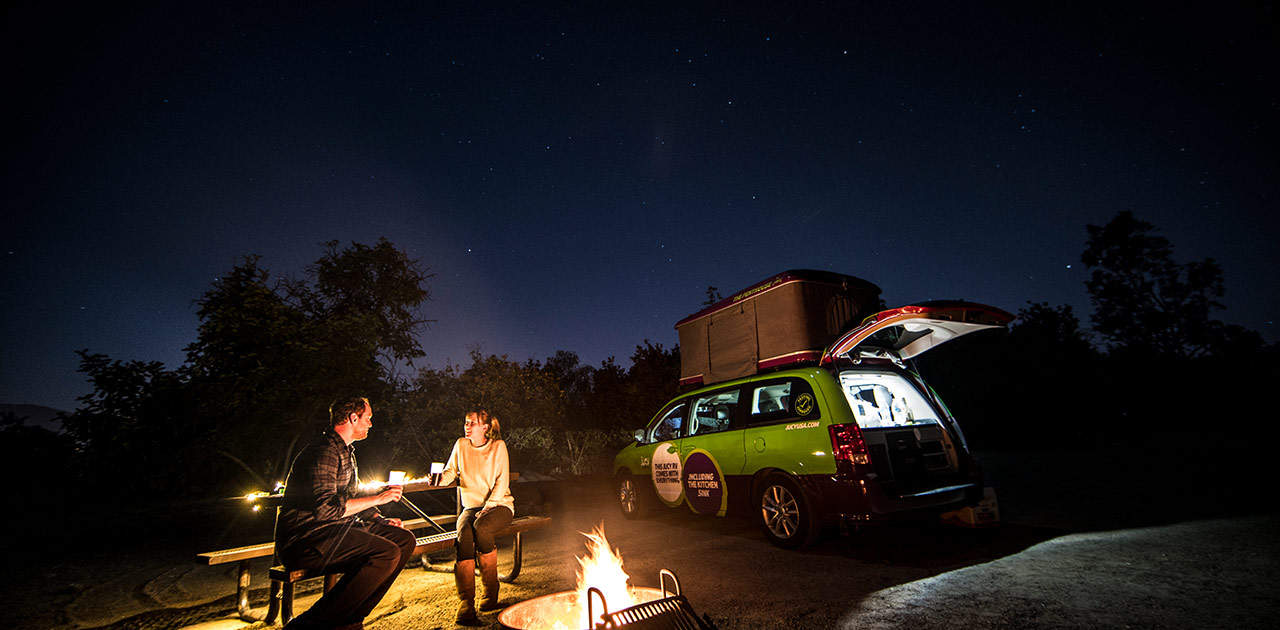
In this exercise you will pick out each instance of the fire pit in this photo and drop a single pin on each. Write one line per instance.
(654, 608)
(602, 583)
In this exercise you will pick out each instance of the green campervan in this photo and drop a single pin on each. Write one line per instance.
(800, 426)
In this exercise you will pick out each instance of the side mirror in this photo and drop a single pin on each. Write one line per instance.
(638, 434)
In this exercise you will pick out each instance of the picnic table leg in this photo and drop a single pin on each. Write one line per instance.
(242, 593)
(517, 550)
(428, 565)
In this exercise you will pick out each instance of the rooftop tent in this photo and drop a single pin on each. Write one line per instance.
(786, 319)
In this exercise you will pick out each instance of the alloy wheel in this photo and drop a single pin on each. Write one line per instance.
(627, 496)
(780, 511)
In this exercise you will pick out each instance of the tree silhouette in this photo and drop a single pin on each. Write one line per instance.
(268, 358)
(1145, 304)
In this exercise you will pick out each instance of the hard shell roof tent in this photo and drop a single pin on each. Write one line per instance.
(784, 320)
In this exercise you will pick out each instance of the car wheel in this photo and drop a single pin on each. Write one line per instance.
(630, 500)
(784, 513)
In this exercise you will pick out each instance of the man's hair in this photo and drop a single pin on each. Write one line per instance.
(495, 429)
(343, 407)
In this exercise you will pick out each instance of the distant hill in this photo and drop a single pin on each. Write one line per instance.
(35, 415)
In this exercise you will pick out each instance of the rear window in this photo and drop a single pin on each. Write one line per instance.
(885, 400)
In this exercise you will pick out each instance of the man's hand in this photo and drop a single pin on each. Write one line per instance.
(394, 522)
(392, 493)
(356, 505)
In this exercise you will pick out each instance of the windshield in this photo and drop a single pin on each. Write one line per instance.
(880, 399)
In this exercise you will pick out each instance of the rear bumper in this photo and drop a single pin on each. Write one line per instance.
(841, 498)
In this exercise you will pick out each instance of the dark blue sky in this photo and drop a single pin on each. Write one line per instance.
(576, 177)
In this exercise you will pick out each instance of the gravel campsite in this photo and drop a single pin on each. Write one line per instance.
(1114, 536)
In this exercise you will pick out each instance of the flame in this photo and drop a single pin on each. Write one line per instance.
(601, 567)
(369, 486)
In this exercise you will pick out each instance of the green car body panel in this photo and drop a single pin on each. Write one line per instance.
(860, 436)
(743, 452)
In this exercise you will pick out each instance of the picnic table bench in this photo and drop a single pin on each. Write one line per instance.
(280, 602)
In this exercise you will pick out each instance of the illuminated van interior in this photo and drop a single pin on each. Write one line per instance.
(881, 400)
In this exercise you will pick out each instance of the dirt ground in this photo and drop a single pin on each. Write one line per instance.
(1119, 536)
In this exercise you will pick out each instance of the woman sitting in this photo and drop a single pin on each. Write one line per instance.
(480, 464)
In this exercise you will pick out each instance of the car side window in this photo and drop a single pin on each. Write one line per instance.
(775, 401)
(670, 426)
(714, 412)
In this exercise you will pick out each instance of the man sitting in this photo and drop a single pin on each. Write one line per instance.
(323, 524)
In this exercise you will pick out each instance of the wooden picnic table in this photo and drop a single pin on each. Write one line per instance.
(283, 579)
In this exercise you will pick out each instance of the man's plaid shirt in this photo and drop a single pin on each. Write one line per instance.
(322, 478)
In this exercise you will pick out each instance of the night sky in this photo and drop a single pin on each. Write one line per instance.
(576, 177)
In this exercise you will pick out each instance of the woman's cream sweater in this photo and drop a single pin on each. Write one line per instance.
(479, 469)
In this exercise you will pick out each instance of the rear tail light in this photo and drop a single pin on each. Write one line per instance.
(848, 447)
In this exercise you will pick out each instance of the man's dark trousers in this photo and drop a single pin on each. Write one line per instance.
(369, 557)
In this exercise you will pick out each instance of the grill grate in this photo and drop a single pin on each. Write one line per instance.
(672, 612)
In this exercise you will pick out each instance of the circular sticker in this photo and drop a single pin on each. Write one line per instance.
(704, 484)
(804, 404)
(666, 473)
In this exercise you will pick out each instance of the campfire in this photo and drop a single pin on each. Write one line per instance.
(599, 570)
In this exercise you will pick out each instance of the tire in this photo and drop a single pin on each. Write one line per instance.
(631, 499)
(784, 513)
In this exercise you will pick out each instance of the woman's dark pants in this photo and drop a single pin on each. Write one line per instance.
(476, 528)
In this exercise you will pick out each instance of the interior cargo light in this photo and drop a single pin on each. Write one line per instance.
(848, 447)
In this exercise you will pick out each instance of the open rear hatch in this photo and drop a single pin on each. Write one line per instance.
(903, 333)
(914, 445)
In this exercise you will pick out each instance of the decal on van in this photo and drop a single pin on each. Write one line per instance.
(704, 484)
(666, 473)
(804, 404)
(801, 425)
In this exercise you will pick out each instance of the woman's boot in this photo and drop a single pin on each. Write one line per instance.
(464, 575)
(489, 580)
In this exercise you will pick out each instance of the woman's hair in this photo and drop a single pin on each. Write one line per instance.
(495, 428)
